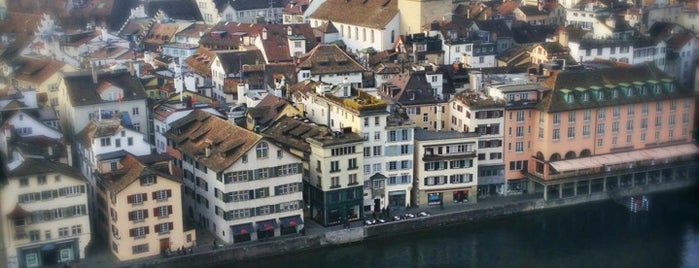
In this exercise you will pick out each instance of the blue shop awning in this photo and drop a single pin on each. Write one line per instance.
(266, 225)
(291, 221)
(239, 229)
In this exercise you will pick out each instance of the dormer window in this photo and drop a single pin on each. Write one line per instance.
(596, 93)
(148, 180)
(668, 85)
(567, 97)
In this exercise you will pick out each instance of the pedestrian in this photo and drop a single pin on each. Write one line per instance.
(179, 251)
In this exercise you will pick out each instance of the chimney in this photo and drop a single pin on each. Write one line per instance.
(207, 149)
(264, 33)
(563, 37)
(131, 68)
(94, 73)
(289, 30)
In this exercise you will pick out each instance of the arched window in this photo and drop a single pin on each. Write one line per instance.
(585, 153)
(356, 33)
(570, 155)
(393, 36)
(540, 156)
(363, 34)
(262, 150)
(555, 157)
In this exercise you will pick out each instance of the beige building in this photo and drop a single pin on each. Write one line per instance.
(139, 206)
(417, 13)
(445, 168)
(43, 213)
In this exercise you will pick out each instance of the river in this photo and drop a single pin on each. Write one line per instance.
(602, 234)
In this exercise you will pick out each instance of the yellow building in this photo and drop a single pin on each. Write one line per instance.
(140, 206)
(597, 130)
(417, 13)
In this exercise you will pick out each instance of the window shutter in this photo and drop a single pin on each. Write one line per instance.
(155, 179)
(155, 212)
(129, 199)
(154, 195)
(169, 210)
(170, 225)
(132, 232)
(131, 215)
(62, 192)
(145, 197)
(145, 213)
(147, 231)
(82, 189)
(169, 193)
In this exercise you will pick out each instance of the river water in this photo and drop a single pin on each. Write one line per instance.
(602, 234)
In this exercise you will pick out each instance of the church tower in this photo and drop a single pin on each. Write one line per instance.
(417, 13)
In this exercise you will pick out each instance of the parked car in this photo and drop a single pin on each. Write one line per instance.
(397, 218)
(369, 221)
(237, 111)
(408, 216)
(423, 214)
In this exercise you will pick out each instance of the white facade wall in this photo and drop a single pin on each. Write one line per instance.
(355, 38)
(48, 230)
(655, 54)
(583, 18)
(620, 53)
(217, 224)
(353, 79)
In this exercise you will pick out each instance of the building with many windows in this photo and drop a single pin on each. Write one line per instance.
(43, 213)
(238, 185)
(139, 206)
(604, 129)
(446, 168)
(335, 183)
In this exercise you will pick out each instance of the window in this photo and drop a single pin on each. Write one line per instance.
(24, 182)
(601, 113)
(520, 116)
(143, 248)
(352, 163)
(556, 134)
(520, 132)
(556, 118)
(571, 117)
(105, 142)
(600, 128)
(519, 147)
(162, 211)
(280, 154)
(367, 169)
(147, 180)
(34, 235)
(377, 150)
(136, 198)
(352, 179)
(334, 166)
(134, 111)
(425, 118)
(377, 135)
(262, 150)
(334, 182)
(129, 141)
(138, 215)
(162, 195)
(571, 132)
(76, 229)
(587, 114)
(41, 179)
(163, 228)
(615, 126)
(32, 259)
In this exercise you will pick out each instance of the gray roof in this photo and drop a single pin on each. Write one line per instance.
(82, 90)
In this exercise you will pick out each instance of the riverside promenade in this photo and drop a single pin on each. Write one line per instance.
(205, 255)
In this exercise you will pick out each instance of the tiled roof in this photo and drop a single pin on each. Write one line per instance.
(135, 26)
(329, 59)
(200, 61)
(367, 13)
(133, 168)
(195, 30)
(233, 61)
(679, 40)
(478, 101)
(507, 8)
(532, 11)
(82, 90)
(35, 70)
(327, 27)
(409, 88)
(292, 132)
(496, 26)
(583, 80)
(161, 33)
(296, 7)
(199, 130)
(268, 109)
(176, 9)
(229, 34)
(524, 33)
(20, 28)
(276, 46)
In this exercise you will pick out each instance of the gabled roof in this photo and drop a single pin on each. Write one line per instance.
(531, 11)
(367, 13)
(32, 165)
(268, 109)
(679, 40)
(200, 61)
(176, 9)
(19, 28)
(35, 70)
(97, 129)
(227, 143)
(327, 27)
(329, 59)
(524, 33)
(82, 90)
(195, 30)
(495, 26)
(233, 61)
(292, 133)
(276, 46)
(410, 88)
(296, 7)
(134, 167)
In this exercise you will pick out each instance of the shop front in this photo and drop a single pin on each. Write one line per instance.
(290, 225)
(49, 254)
(242, 232)
(396, 200)
(265, 229)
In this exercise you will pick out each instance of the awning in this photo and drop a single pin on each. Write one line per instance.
(239, 229)
(625, 157)
(18, 213)
(291, 221)
(266, 225)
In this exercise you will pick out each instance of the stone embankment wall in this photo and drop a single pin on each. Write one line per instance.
(227, 255)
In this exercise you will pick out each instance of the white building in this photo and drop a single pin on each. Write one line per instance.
(361, 24)
(44, 212)
(329, 64)
(237, 184)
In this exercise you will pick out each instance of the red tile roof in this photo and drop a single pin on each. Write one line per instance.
(367, 13)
